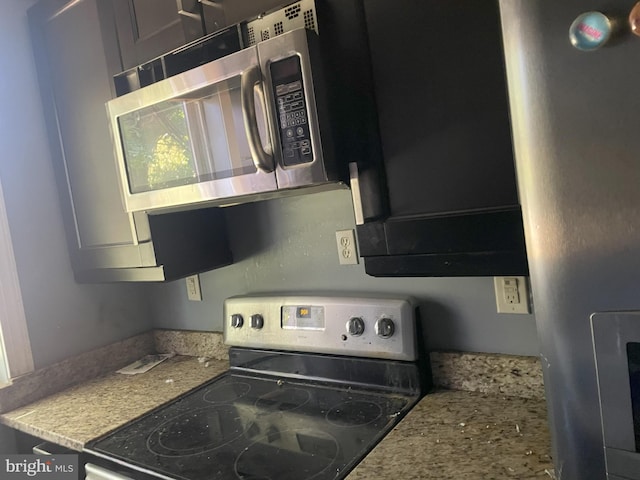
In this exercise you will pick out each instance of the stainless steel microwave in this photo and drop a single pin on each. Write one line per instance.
(616, 340)
(252, 123)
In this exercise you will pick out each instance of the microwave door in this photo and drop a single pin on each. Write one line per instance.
(234, 128)
(189, 139)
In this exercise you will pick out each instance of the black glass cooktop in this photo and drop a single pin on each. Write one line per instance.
(258, 427)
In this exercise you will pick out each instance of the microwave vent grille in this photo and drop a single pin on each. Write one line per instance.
(309, 20)
(251, 36)
(293, 11)
(299, 15)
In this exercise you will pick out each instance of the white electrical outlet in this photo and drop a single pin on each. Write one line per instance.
(193, 288)
(512, 294)
(346, 242)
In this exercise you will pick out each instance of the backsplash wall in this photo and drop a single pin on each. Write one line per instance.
(288, 245)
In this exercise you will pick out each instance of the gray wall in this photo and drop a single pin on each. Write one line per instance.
(289, 245)
(63, 318)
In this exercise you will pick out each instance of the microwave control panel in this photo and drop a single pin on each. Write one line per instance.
(293, 118)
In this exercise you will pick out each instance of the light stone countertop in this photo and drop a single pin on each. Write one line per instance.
(465, 435)
(91, 409)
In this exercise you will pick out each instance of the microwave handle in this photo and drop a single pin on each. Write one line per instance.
(251, 79)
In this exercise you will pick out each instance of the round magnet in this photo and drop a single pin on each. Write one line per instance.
(590, 31)
(634, 19)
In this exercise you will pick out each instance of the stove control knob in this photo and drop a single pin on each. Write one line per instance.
(355, 326)
(257, 321)
(384, 327)
(236, 320)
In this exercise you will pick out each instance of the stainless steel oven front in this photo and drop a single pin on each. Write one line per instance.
(244, 124)
(616, 340)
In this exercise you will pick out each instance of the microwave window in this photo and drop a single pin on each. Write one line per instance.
(187, 141)
(157, 147)
(633, 357)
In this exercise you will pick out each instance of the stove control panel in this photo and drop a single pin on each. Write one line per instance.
(353, 326)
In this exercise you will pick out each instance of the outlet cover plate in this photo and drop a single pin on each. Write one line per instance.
(512, 294)
(193, 288)
(346, 242)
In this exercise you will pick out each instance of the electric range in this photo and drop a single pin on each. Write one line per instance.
(314, 383)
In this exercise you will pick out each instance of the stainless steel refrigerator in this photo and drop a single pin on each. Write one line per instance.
(576, 127)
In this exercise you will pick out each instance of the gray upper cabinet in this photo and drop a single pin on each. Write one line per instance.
(76, 49)
(148, 28)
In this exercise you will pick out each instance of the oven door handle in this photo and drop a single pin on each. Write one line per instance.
(251, 80)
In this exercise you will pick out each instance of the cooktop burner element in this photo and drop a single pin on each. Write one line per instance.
(353, 413)
(276, 415)
(283, 399)
(269, 458)
(196, 432)
(226, 392)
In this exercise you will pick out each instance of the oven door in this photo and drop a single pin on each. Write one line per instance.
(616, 339)
(200, 136)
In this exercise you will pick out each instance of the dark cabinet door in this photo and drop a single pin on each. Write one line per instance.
(442, 102)
(444, 125)
(148, 28)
